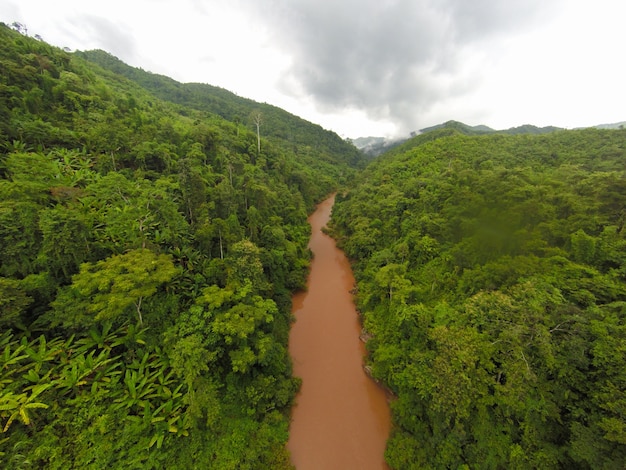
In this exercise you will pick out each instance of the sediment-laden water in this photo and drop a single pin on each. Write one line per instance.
(341, 419)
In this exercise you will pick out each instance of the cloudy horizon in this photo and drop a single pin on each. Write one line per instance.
(368, 67)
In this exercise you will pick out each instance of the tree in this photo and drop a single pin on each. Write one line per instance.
(245, 265)
(20, 237)
(18, 406)
(257, 118)
(13, 301)
(108, 288)
(193, 189)
(20, 28)
(65, 244)
(238, 323)
(391, 280)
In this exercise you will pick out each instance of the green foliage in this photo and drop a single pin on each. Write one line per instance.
(491, 279)
(108, 288)
(14, 300)
(122, 205)
(311, 143)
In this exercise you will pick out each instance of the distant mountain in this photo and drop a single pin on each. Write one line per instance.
(364, 142)
(616, 125)
(459, 126)
(374, 146)
(530, 129)
(482, 129)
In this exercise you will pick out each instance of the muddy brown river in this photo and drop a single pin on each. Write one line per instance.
(341, 419)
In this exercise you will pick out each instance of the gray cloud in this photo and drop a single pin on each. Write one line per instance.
(394, 59)
(113, 37)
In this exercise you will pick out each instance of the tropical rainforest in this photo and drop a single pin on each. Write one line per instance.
(148, 254)
(152, 234)
(491, 277)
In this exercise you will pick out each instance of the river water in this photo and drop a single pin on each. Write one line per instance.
(341, 419)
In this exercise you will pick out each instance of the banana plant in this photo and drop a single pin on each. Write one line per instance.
(75, 166)
(102, 338)
(131, 335)
(164, 384)
(40, 351)
(138, 390)
(71, 378)
(19, 406)
(12, 355)
(83, 369)
(166, 425)
(34, 377)
(106, 369)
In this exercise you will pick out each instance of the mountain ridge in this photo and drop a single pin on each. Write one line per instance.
(373, 146)
(277, 123)
(177, 208)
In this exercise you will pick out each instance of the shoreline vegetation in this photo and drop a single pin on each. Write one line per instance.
(148, 253)
(491, 278)
(152, 234)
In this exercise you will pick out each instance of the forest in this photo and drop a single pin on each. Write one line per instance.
(148, 254)
(491, 276)
(153, 233)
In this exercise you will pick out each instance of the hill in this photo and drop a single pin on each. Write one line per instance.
(148, 254)
(491, 279)
(459, 126)
(277, 124)
(374, 146)
(615, 125)
(481, 129)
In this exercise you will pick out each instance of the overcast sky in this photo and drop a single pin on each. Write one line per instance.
(369, 67)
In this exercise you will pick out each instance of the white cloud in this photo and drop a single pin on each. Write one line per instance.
(369, 67)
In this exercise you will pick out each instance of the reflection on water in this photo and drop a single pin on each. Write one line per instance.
(341, 418)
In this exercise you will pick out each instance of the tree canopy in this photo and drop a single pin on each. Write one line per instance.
(151, 237)
(492, 281)
(148, 253)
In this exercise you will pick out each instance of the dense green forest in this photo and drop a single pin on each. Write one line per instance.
(148, 253)
(491, 279)
(152, 234)
(309, 142)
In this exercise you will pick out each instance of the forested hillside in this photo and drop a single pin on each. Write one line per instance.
(481, 129)
(491, 278)
(150, 244)
(148, 252)
(374, 146)
(308, 141)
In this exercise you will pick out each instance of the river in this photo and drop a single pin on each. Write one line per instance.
(341, 419)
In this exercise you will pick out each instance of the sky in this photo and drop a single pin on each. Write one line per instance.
(368, 67)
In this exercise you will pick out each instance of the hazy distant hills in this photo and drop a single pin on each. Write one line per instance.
(617, 125)
(374, 146)
(482, 129)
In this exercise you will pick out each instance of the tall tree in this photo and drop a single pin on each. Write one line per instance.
(257, 118)
(110, 287)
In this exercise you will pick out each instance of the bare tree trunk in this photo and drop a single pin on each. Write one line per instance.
(221, 248)
(257, 121)
(138, 307)
(258, 138)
